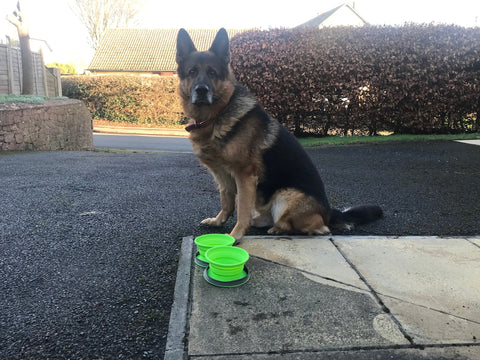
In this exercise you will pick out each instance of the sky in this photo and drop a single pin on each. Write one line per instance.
(55, 22)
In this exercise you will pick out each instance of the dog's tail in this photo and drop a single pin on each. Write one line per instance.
(357, 215)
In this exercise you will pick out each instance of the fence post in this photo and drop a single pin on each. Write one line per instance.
(43, 74)
(58, 82)
(20, 71)
(35, 85)
(10, 74)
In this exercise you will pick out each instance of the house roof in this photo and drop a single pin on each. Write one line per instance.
(320, 19)
(145, 50)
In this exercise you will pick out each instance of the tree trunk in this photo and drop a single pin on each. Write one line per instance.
(27, 63)
(18, 20)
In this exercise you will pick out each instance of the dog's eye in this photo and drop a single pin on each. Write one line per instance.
(211, 73)
(193, 72)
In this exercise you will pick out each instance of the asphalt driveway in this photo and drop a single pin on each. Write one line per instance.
(90, 240)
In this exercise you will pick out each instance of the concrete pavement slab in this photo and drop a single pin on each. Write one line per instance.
(281, 311)
(429, 326)
(419, 300)
(471, 142)
(432, 285)
(140, 131)
(317, 256)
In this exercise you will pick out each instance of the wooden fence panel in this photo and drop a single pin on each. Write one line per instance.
(11, 73)
(4, 79)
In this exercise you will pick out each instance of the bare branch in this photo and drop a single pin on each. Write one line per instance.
(100, 15)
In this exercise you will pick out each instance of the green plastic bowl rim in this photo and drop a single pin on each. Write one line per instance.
(202, 237)
(246, 255)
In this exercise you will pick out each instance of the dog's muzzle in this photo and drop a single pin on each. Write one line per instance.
(202, 95)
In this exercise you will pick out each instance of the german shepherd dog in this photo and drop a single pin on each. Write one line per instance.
(251, 156)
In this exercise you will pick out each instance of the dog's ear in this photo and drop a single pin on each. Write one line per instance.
(221, 45)
(185, 45)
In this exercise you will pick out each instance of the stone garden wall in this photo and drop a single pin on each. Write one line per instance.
(54, 125)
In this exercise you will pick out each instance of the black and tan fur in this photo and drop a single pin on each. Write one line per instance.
(256, 162)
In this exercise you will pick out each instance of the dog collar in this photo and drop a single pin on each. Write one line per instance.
(197, 125)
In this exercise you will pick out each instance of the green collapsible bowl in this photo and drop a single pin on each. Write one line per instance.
(208, 241)
(226, 266)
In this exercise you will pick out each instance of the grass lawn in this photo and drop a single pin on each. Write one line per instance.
(27, 99)
(346, 140)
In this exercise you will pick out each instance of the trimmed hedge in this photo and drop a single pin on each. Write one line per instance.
(411, 79)
(131, 98)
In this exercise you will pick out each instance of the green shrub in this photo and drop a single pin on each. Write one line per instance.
(131, 98)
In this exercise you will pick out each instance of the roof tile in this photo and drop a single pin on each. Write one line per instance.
(145, 50)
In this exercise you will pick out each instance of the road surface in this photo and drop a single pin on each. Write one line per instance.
(142, 143)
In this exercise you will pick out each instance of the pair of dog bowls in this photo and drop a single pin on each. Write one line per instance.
(224, 263)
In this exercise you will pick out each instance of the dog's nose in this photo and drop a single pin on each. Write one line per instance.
(202, 90)
(202, 95)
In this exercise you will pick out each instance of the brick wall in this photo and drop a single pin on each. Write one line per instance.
(55, 125)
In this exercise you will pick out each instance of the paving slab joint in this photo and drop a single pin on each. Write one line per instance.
(375, 295)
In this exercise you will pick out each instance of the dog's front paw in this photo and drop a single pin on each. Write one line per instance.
(211, 222)
(237, 233)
